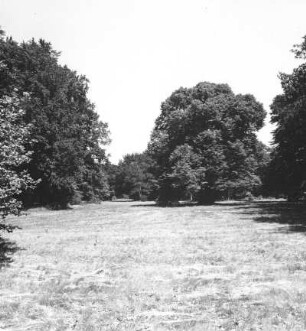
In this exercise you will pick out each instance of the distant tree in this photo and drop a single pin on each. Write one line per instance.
(204, 143)
(111, 171)
(13, 157)
(264, 157)
(134, 178)
(289, 114)
(68, 154)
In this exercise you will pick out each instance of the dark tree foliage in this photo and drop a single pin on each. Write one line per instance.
(67, 154)
(14, 133)
(134, 178)
(288, 167)
(205, 146)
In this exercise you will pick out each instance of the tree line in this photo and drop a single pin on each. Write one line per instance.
(203, 146)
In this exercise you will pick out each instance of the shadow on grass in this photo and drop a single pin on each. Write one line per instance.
(7, 250)
(290, 214)
(192, 204)
(156, 205)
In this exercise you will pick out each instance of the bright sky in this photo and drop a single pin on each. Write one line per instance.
(137, 52)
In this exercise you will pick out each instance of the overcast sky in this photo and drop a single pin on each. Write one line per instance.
(137, 52)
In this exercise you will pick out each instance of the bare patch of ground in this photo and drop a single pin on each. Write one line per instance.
(132, 266)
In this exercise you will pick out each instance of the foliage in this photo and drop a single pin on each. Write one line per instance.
(264, 157)
(134, 178)
(288, 168)
(67, 155)
(185, 176)
(204, 143)
(13, 156)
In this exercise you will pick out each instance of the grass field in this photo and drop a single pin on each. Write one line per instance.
(134, 266)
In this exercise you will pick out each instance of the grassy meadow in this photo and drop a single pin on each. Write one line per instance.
(135, 266)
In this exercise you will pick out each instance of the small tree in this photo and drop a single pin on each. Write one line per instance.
(13, 156)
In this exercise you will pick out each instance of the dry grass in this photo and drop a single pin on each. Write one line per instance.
(132, 266)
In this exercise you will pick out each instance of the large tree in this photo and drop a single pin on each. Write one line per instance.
(68, 154)
(204, 143)
(289, 115)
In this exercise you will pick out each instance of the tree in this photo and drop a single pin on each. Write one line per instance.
(13, 157)
(204, 143)
(264, 156)
(185, 175)
(68, 154)
(134, 177)
(289, 115)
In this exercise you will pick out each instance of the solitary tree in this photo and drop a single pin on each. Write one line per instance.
(204, 143)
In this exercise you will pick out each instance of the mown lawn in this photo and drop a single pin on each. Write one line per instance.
(134, 266)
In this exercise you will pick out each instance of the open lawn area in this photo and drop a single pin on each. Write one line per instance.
(135, 266)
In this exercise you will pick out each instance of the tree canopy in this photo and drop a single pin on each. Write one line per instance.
(204, 143)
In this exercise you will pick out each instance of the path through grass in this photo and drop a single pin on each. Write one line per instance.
(133, 266)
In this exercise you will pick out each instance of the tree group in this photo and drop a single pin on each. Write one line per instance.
(133, 177)
(66, 137)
